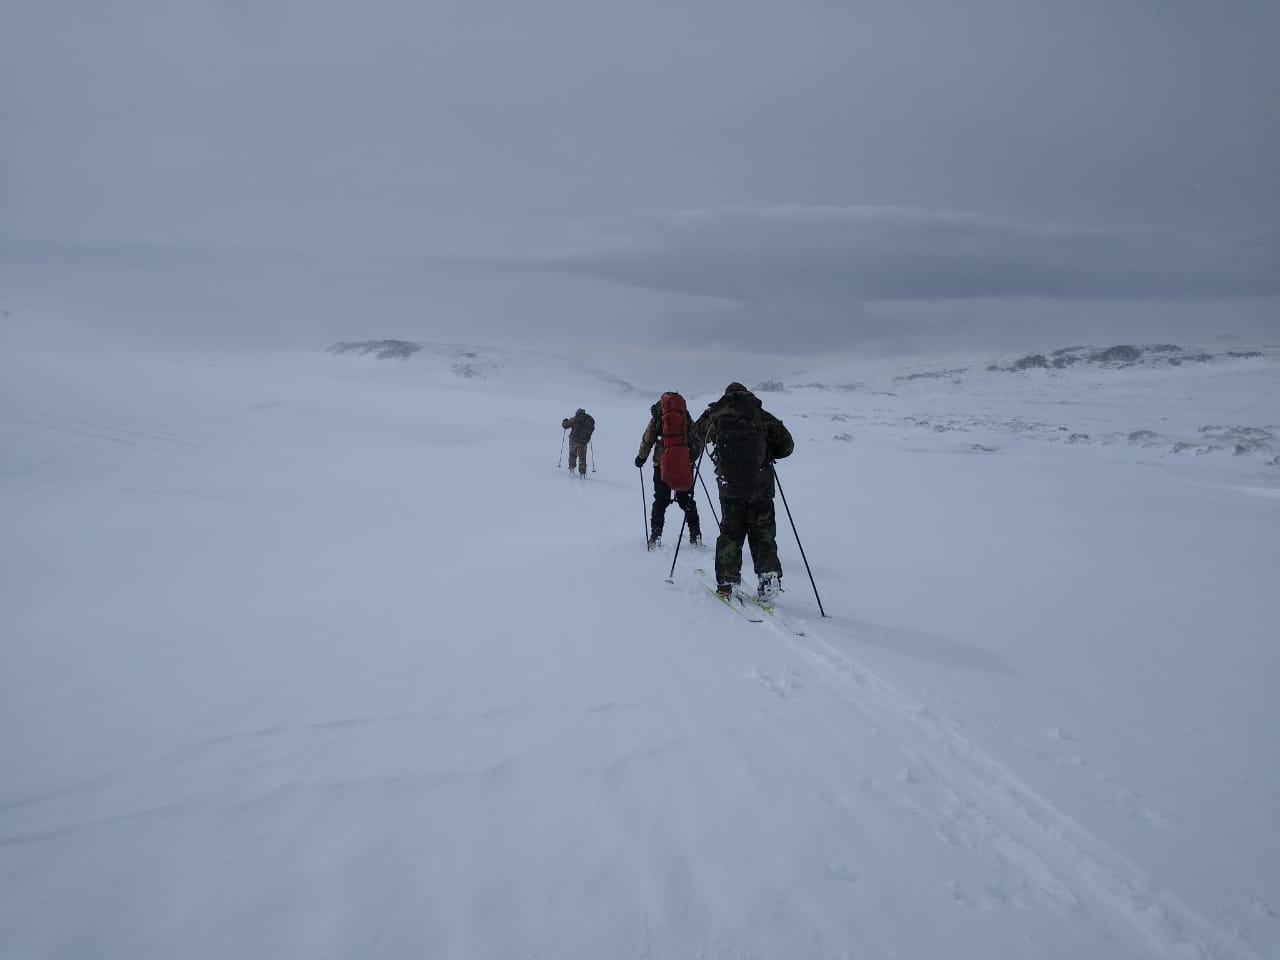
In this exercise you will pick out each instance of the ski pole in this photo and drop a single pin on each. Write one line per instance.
(671, 577)
(592, 447)
(644, 510)
(560, 462)
(774, 471)
(710, 503)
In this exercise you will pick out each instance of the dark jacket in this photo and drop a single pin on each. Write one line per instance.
(778, 440)
(580, 426)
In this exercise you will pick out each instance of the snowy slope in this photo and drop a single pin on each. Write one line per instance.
(323, 656)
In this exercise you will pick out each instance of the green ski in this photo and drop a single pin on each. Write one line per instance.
(737, 605)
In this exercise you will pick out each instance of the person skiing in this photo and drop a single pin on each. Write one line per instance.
(745, 440)
(580, 426)
(669, 435)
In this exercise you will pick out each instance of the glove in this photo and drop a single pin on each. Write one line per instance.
(639, 461)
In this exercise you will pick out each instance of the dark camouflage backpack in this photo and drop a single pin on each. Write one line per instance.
(581, 425)
(738, 432)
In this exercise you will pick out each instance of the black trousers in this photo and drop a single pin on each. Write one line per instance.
(662, 497)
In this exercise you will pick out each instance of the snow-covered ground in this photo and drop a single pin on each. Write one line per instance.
(322, 655)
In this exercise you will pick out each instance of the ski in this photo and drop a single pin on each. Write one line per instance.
(746, 601)
(739, 594)
(760, 602)
(739, 607)
(751, 608)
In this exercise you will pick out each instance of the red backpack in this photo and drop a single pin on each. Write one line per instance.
(675, 465)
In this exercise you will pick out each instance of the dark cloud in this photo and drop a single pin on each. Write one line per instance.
(784, 280)
(829, 255)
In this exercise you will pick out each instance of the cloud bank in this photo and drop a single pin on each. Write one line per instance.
(874, 254)
(803, 280)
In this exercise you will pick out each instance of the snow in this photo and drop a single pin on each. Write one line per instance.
(316, 655)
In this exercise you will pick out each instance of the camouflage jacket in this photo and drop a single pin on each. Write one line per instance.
(580, 426)
(652, 438)
(778, 440)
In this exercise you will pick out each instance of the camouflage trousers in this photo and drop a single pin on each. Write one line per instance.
(754, 521)
(578, 456)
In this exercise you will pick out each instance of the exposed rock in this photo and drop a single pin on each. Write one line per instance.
(1120, 354)
(383, 349)
(1239, 440)
(929, 375)
(1031, 362)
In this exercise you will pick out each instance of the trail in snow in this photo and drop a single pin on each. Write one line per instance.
(979, 804)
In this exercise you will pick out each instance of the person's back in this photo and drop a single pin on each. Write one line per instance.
(580, 426)
(746, 439)
(668, 433)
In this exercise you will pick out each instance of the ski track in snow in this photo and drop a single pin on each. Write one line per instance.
(1055, 859)
(981, 805)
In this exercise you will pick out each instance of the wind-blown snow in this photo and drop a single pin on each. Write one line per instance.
(323, 656)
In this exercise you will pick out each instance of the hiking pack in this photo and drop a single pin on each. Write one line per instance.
(675, 465)
(741, 447)
(581, 425)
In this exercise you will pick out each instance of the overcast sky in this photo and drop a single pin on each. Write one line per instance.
(832, 157)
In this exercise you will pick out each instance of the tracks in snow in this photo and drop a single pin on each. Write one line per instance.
(971, 800)
(50, 446)
(982, 804)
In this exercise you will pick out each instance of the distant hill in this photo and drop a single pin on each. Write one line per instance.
(499, 365)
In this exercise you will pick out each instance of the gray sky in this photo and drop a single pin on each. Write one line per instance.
(827, 158)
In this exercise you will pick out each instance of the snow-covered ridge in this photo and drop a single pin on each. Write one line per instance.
(469, 362)
(1158, 403)
(1122, 356)
(381, 349)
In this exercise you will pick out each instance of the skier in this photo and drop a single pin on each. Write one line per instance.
(680, 448)
(746, 439)
(580, 426)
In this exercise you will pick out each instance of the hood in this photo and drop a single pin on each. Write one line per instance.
(735, 394)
